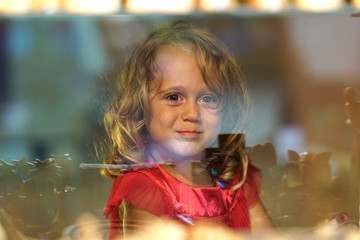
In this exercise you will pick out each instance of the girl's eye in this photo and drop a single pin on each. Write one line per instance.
(209, 102)
(174, 97)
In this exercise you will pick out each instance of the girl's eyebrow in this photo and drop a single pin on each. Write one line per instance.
(171, 88)
(180, 88)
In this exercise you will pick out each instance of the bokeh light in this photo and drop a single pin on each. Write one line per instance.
(160, 6)
(319, 5)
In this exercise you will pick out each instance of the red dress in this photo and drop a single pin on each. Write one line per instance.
(157, 192)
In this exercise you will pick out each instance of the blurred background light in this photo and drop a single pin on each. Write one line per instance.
(319, 5)
(18, 7)
(269, 5)
(160, 6)
(217, 5)
(92, 7)
(46, 6)
(15, 6)
(356, 4)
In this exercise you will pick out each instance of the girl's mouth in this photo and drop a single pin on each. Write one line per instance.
(190, 134)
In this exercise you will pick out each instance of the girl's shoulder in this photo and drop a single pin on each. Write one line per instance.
(141, 188)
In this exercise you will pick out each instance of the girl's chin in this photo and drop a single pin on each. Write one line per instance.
(174, 150)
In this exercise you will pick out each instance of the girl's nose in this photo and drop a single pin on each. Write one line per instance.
(190, 111)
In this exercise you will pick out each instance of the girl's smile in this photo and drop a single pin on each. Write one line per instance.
(190, 134)
(185, 114)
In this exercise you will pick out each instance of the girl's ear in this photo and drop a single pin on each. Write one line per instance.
(293, 156)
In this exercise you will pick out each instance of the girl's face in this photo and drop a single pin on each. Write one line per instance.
(186, 115)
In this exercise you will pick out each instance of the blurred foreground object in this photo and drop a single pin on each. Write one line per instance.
(89, 227)
(308, 193)
(352, 113)
(352, 108)
(33, 194)
(263, 156)
(7, 228)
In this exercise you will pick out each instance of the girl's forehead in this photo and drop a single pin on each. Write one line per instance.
(182, 54)
(169, 59)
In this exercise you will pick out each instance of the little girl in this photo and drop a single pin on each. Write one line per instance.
(179, 90)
